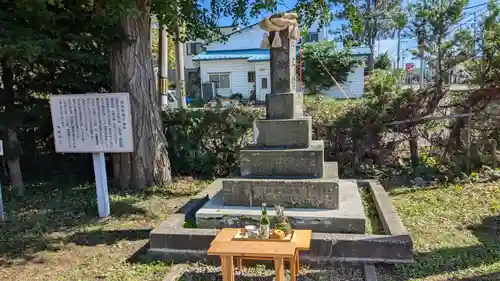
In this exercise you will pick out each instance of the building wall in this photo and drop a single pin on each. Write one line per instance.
(188, 59)
(354, 86)
(238, 71)
(250, 38)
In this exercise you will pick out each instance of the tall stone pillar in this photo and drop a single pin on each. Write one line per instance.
(283, 68)
(283, 102)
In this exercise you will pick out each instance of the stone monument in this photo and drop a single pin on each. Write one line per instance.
(285, 166)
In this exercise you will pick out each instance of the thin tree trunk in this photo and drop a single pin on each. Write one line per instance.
(413, 143)
(132, 72)
(13, 147)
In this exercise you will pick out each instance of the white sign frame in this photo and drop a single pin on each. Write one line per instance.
(59, 108)
(69, 116)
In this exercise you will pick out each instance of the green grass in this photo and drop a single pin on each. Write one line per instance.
(53, 233)
(455, 230)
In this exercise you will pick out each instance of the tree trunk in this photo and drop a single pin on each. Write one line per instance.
(13, 147)
(132, 72)
(413, 144)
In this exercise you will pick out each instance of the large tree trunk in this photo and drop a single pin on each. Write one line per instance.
(132, 72)
(13, 147)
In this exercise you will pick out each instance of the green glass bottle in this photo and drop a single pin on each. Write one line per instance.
(264, 223)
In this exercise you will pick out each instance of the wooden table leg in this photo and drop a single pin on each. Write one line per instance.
(227, 268)
(297, 261)
(240, 264)
(293, 269)
(279, 268)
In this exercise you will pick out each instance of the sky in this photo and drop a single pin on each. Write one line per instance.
(381, 46)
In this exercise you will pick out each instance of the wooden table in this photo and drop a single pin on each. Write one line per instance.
(278, 251)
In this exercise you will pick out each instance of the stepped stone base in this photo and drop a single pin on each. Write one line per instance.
(320, 193)
(285, 133)
(171, 242)
(284, 106)
(294, 163)
(349, 218)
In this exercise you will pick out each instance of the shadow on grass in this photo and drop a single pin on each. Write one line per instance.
(454, 259)
(403, 190)
(50, 215)
(108, 237)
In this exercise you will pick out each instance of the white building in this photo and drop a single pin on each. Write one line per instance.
(239, 66)
(191, 70)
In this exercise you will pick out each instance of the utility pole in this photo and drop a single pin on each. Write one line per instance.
(421, 46)
(398, 58)
(179, 70)
(179, 65)
(162, 60)
(371, 38)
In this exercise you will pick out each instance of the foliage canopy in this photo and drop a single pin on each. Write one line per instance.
(321, 61)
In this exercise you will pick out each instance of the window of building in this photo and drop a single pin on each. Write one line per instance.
(263, 83)
(251, 76)
(193, 49)
(312, 37)
(222, 80)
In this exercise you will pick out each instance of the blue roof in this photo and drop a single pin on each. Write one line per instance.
(253, 55)
(249, 54)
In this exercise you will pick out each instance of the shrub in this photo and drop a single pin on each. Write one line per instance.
(205, 142)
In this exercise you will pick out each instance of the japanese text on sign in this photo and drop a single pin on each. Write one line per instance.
(92, 122)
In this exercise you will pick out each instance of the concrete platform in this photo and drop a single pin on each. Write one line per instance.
(173, 243)
(348, 218)
(320, 193)
(293, 163)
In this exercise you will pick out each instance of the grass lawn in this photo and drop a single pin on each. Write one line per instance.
(54, 233)
(455, 230)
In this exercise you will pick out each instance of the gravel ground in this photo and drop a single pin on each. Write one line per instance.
(203, 272)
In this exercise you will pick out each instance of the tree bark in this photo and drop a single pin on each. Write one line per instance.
(132, 72)
(13, 147)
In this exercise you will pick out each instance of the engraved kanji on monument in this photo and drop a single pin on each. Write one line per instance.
(282, 61)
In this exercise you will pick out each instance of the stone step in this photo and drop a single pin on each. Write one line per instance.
(348, 218)
(284, 106)
(284, 133)
(278, 163)
(297, 193)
